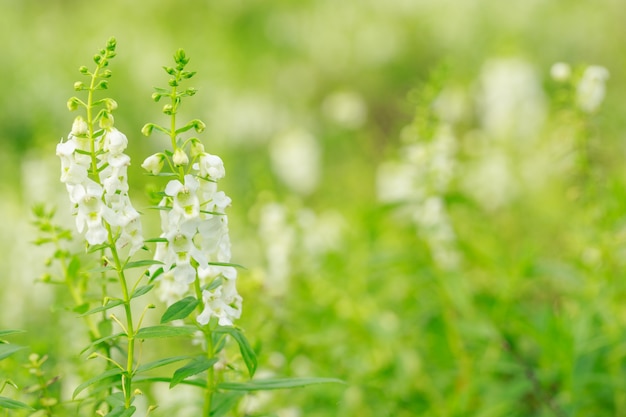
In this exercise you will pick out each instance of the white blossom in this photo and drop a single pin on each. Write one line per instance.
(107, 200)
(196, 240)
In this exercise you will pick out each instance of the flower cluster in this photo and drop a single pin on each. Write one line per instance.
(195, 241)
(94, 171)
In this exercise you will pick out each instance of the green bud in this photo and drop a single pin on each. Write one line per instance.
(110, 104)
(78, 86)
(188, 74)
(73, 103)
(97, 59)
(170, 70)
(156, 97)
(168, 109)
(102, 85)
(191, 91)
(199, 125)
(197, 148)
(83, 70)
(146, 130)
(172, 83)
(112, 42)
(106, 119)
(180, 58)
(106, 74)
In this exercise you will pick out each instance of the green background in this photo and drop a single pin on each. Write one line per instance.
(532, 321)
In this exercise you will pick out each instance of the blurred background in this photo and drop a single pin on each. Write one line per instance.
(423, 208)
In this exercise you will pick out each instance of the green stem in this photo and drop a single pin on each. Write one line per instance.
(208, 335)
(130, 327)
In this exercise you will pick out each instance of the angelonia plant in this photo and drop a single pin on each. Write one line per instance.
(187, 267)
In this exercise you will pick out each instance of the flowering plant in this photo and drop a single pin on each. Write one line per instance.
(190, 269)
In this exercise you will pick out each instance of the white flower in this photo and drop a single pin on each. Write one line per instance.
(186, 202)
(223, 303)
(72, 172)
(91, 211)
(114, 176)
(210, 166)
(153, 163)
(115, 142)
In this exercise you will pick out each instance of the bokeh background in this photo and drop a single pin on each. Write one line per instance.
(421, 209)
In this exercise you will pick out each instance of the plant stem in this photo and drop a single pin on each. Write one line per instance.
(208, 336)
(130, 327)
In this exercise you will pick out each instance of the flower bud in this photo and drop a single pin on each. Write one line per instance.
(153, 163)
(199, 126)
(146, 130)
(106, 120)
(79, 127)
(180, 157)
(72, 104)
(197, 148)
(78, 85)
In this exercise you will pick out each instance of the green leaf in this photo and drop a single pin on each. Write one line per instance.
(73, 267)
(110, 374)
(276, 383)
(102, 339)
(96, 248)
(81, 309)
(116, 399)
(156, 239)
(199, 364)
(223, 402)
(8, 332)
(13, 404)
(247, 353)
(107, 306)
(180, 309)
(227, 264)
(165, 331)
(120, 411)
(161, 362)
(99, 269)
(142, 263)
(201, 383)
(141, 291)
(8, 350)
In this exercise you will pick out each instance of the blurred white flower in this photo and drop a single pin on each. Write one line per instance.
(345, 108)
(591, 89)
(418, 181)
(511, 100)
(560, 71)
(295, 157)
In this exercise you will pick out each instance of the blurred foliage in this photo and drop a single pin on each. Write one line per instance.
(532, 321)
